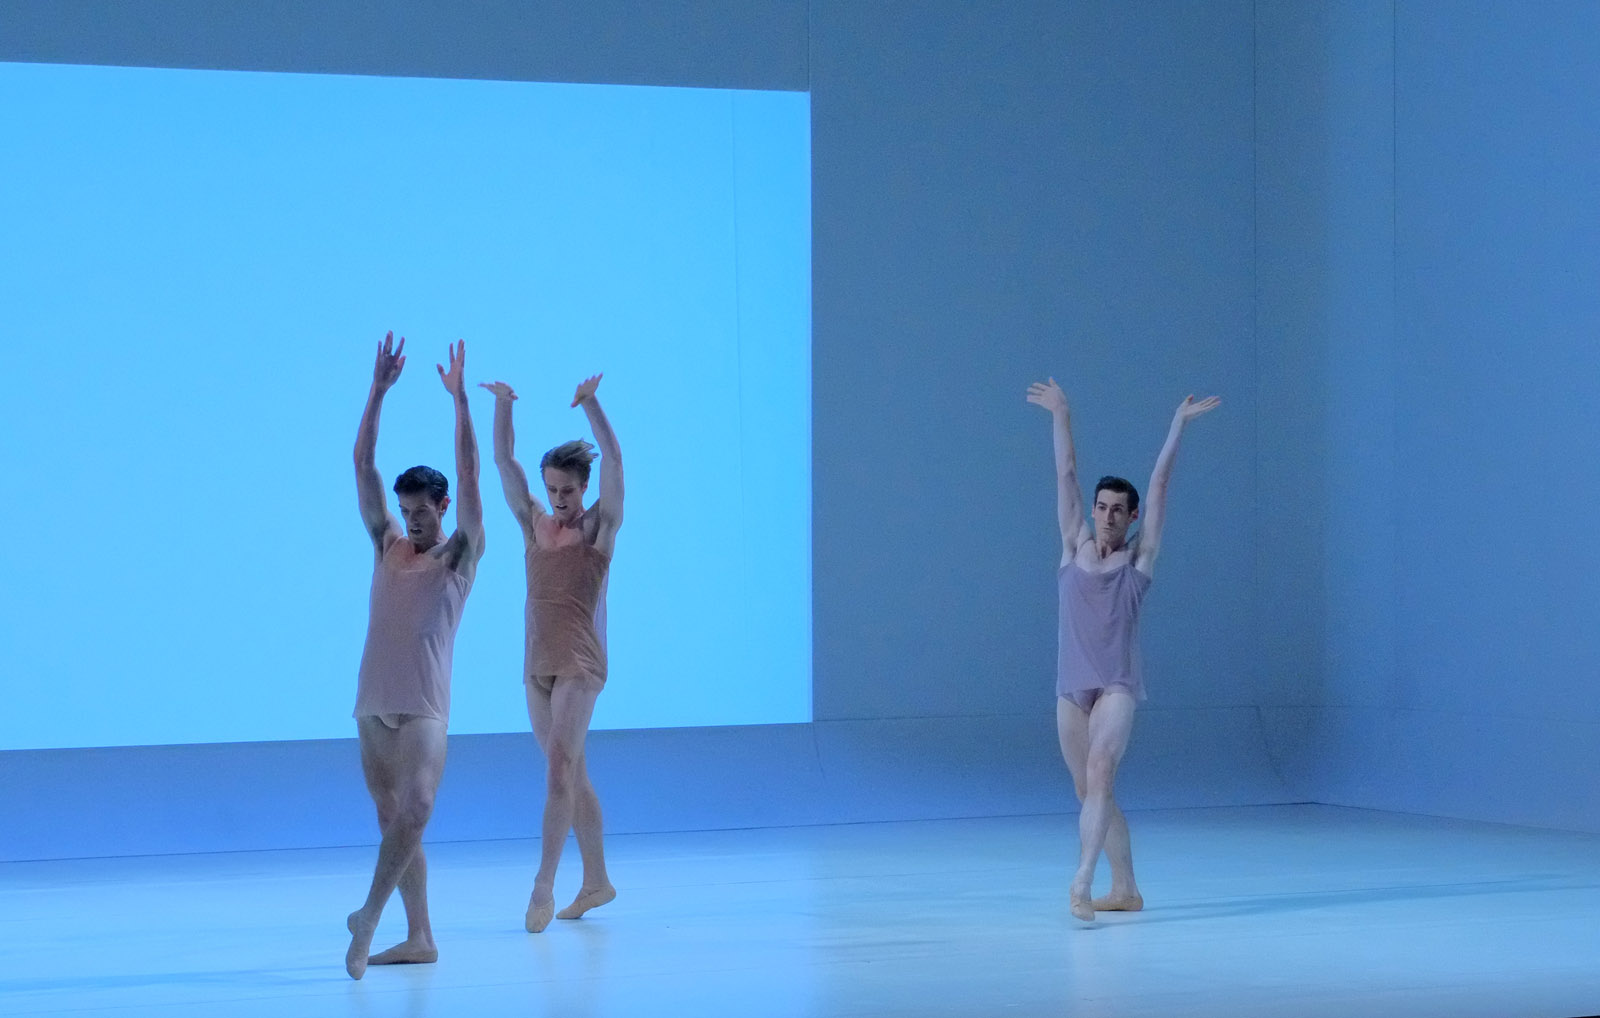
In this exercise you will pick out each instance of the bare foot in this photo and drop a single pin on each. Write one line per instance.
(1078, 901)
(586, 900)
(539, 913)
(1119, 901)
(411, 951)
(355, 959)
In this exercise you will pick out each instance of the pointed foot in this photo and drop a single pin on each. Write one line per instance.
(586, 900)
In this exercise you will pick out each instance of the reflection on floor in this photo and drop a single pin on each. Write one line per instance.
(1280, 911)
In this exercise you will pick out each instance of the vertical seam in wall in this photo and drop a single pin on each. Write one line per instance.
(1255, 341)
(1394, 313)
(1255, 296)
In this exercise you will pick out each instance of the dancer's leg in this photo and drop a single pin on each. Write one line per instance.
(1093, 745)
(586, 824)
(560, 717)
(418, 947)
(1072, 727)
(408, 763)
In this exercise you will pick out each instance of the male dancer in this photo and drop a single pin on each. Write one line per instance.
(1102, 582)
(420, 582)
(568, 552)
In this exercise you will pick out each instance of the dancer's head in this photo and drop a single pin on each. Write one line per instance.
(1116, 506)
(566, 477)
(424, 496)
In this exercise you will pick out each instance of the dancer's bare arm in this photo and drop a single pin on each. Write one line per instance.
(465, 546)
(380, 523)
(608, 504)
(1069, 497)
(1155, 514)
(513, 479)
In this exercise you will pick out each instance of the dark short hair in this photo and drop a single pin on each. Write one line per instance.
(423, 479)
(572, 457)
(1118, 486)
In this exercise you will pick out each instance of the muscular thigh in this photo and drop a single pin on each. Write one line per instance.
(407, 760)
(571, 709)
(377, 749)
(420, 754)
(1110, 725)
(539, 710)
(1072, 728)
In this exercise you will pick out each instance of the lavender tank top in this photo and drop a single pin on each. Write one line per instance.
(566, 613)
(416, 605)
(1099, 629)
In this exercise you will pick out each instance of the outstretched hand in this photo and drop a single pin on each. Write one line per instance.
(586, 389)
(1048, 395)
(500, 389)
(454, 379)
(391, 359)
(1188, 410)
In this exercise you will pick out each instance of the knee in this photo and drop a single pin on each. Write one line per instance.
(411, 812)
(560, 768)
(387, 807)
(1080, 788)
(1102, 771)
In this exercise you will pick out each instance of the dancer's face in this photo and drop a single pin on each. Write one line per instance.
(424, 519)
(1112, 518)
(565, 494)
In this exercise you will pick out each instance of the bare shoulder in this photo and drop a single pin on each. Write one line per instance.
(461, 553)
(540, 531)
(600, 529)
(1082, 557)
(384, 538)
(1144, 560)
(600, 520)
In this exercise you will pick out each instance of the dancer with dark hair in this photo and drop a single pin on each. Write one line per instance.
(568, 552)
(420, 582)
(1102, 583)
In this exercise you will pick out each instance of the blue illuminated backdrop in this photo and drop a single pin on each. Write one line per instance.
(209, 259)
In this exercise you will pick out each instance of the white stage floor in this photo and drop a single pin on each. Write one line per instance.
(1281, 911)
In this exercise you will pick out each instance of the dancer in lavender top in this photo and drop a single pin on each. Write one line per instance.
(420, 582)
(1102, 582)
(568, 554)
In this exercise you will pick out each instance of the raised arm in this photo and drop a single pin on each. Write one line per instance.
(469, 501)
(1155, 511)
(375, 515)
(513, 480)
(1069, 497)
(609, 501)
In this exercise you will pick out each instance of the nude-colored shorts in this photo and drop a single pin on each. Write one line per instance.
(1087, 698)
(548, 682)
